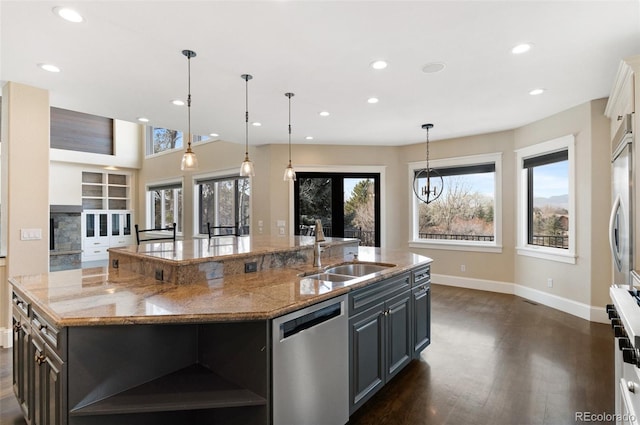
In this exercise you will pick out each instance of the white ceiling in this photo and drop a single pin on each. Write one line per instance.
(125, 61)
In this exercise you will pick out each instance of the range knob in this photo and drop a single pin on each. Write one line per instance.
(624, 342)
(616, 322)
(629, 356)
(611, 311)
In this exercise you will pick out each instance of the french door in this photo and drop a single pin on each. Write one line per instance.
(347, 203)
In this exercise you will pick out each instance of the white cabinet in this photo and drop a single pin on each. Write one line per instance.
(120, 231)
(105, 191)
(104, 229)
(106, 220)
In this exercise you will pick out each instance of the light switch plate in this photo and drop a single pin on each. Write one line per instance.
(30, 234)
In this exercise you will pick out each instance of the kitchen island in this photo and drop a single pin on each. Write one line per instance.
(111, 345)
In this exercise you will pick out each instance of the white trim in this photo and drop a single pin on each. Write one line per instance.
(575, 308)
(6, 337)
(380, 169)
(488, 158)
(456, 246)
(546, 253)
(523, 248)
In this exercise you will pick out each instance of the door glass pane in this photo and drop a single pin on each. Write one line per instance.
(359, 210)
(103, 225)
(127, 224)
(91, 225)
(315, 203)
(115, 224)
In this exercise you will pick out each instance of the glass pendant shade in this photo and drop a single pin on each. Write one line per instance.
(189, 160)
(246, 168)
(289, 173)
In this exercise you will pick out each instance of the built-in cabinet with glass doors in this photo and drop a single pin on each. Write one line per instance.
(106, 216)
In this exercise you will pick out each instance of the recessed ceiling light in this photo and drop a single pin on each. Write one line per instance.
(379, 64)
(521, 48)
(143, 119)
(256, 124)
(214, 134)
(178, 102)
(309, 138)
(324, 114)
(433, 67)
(373, 100)
(49, 67)
(68, 14)
(536, 92)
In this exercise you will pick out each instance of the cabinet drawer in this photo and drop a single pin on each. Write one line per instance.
(20, 304)
(364, 298)
(421, 276)
(47, 331)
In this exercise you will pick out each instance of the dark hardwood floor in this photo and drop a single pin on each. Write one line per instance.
(495, 359)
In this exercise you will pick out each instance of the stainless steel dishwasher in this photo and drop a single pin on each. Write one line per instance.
(311, 365)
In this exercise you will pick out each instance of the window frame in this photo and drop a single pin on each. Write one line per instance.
(149, 204)
(522, 244)
(148, 142)
(227, 174)
(442, 244)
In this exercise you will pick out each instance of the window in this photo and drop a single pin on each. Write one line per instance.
(466, 216)
(348, 204)
(224, 203)
(546, 219)
(164, 203)
(163, 139)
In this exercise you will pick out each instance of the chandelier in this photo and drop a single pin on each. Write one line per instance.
(427, 182)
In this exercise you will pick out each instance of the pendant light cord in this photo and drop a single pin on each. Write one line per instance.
(189, 100)
(289, 95)
(246, 115)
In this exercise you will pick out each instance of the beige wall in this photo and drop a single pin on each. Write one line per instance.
(479, 265)
(25, 183)
(592, 158)
(585, 282)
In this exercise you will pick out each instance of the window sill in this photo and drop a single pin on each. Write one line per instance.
(456, 246)
(551, 254)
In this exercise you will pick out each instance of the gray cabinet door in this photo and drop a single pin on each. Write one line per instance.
(398, 333)
(421, 297)
(367, 354)
(22, 361)
(48, 390)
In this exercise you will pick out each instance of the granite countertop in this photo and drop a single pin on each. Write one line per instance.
(220, 247)
(100, 296)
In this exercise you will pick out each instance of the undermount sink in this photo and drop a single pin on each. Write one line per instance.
(358, 269)
(330, 277)
(347, 271)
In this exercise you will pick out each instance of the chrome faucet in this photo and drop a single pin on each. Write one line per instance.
(318, 248)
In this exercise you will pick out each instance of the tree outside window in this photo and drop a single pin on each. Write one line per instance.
(465, 210)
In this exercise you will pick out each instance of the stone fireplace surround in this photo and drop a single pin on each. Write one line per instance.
(65, 237)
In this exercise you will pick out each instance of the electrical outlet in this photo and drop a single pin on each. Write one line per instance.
(463, 268)
(281, 230)
(549, 282)
(251, 267)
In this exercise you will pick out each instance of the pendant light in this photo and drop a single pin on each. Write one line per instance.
(434, 184)
(189, 160)
(246, 168)
(289, 173)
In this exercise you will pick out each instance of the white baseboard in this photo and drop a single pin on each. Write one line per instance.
(6, 338)
(584, 311)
